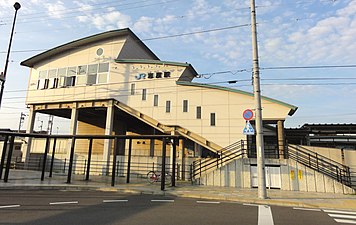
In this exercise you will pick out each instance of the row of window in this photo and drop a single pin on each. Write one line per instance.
(73, 76)
(168, 105)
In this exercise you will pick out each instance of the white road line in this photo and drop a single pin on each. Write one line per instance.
(248, 204)
(342, 216)
(162, 200)
(337, 211)
(63, 203)
(121, 200)
(265, 215)
(207, 202)
(9, 206)
(345, 221)
(308, 209)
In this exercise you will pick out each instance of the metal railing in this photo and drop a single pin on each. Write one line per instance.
(321, 164)
(225, 155)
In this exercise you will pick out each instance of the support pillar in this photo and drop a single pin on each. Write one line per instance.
(73, 127)
(281, 140)
(108, 142)
(26, 148)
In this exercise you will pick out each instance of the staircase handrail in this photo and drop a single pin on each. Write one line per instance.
(226, 154)
(320, 163)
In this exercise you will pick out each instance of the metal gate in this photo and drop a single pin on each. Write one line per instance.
(273, 176)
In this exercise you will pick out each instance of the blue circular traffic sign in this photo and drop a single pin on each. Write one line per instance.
(247, 114)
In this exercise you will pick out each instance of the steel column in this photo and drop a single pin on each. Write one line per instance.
(48, 140)
(89, 158)
(163, 171)
(52, 159)
(129, 162)
(9, 156)
(174, 163)
(116, 145)
(3, 155)
(71, 158)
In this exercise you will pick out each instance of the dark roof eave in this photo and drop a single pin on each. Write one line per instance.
(83, 41)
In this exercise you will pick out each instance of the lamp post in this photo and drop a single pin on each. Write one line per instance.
(17, 6)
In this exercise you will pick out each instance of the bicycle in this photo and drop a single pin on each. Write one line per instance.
(153, 177)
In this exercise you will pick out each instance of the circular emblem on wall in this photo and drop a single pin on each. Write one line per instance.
(99, 52)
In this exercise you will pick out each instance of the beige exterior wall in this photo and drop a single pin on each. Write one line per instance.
(336, 155)
(228, 106)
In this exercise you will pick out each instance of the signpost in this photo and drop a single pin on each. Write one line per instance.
(248, 129)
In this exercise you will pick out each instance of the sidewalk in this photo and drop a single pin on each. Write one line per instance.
(20, 179)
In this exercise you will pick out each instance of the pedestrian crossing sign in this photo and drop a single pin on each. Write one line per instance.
(248, 130)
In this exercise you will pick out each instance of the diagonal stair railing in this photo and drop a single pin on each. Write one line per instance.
(224, 156)
(321, 164)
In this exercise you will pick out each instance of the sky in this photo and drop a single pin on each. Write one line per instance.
(307, 48)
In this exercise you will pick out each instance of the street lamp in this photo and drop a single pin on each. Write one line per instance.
(17, 6)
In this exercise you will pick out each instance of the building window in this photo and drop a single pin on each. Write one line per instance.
(103, 73)
(81, 75)
(212, 119)
(132, 89)
(43, 81)
(71, 74)
(167, 74)
(158, 75)
(198, 112)
(61, 74)
(53, 80)
(155, 100)
(168, 106)
(144, 94)
(185, 105)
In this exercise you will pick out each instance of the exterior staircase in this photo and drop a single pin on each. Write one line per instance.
(322, 164)
(224, 156)
(167, 129)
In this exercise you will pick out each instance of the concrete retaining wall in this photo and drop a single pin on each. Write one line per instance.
(294, 177)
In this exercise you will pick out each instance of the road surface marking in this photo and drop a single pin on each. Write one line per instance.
(248, 204)
(121, 200)
(337, 211)
(63, 203)
(342, 216)
(162, 200)
(207, 202)
(345, 221)
(9, 206)
(308, 209)
(265, 215)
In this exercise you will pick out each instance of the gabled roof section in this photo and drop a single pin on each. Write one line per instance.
(85, 41)
(292, 107)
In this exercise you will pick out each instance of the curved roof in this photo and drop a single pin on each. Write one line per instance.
(292, 107)
(84, 41)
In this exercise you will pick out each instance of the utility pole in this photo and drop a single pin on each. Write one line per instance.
(17, 6)
(22, 118)
(50, 124)
(262, 193)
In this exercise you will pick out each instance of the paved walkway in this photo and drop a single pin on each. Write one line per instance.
(19, 179)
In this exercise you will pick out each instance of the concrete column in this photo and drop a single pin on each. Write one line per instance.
(73, 128)
(107, 142)
(26, 149)
(281, 141)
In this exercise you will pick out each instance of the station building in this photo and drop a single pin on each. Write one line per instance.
(112, 83)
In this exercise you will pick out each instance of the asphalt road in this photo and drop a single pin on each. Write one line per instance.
(107, 208)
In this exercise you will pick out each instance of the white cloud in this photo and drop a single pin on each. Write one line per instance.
(56, 9)
(107, 20)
